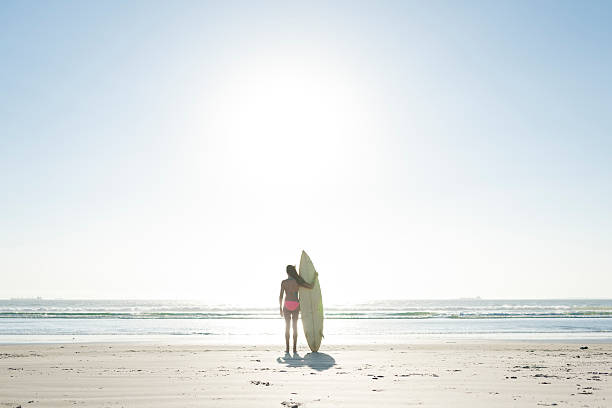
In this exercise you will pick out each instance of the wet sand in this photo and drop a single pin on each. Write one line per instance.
(443, 374)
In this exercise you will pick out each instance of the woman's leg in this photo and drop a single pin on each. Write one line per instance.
(294, 318)
(287, 315)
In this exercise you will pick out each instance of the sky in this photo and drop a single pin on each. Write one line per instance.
(415, 150)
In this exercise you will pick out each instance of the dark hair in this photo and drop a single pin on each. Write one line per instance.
(293, 273)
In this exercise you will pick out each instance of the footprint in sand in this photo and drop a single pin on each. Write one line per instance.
(291, 404)
(266, 383)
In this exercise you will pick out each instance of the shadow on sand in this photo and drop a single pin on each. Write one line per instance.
(316, 361)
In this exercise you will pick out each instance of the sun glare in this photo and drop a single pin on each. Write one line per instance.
(273, 115)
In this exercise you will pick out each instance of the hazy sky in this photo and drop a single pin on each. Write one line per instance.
(414, 149)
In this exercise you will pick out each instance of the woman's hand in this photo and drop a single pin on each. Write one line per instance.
(315, 278)
(281, 312)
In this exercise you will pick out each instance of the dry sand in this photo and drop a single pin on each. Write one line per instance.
(466, 374)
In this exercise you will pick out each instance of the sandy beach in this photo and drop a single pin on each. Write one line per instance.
(443, 374)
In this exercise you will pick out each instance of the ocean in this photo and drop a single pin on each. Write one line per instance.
(389, 321)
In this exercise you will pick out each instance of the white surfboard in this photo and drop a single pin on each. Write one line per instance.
(311, 305)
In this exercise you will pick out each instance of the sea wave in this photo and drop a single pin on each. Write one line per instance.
(388, 309)
(274, 315)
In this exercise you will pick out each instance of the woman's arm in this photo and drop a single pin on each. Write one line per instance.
(311, 285)
(280, 299)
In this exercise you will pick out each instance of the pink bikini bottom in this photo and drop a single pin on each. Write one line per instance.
(292, 305)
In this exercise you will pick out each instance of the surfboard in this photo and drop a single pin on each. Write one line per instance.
(311, 305)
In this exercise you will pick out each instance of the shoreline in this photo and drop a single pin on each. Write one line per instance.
(270, 340)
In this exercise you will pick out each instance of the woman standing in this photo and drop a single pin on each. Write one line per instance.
(290, 309)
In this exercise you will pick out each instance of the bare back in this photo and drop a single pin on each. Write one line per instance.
(290, 287)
